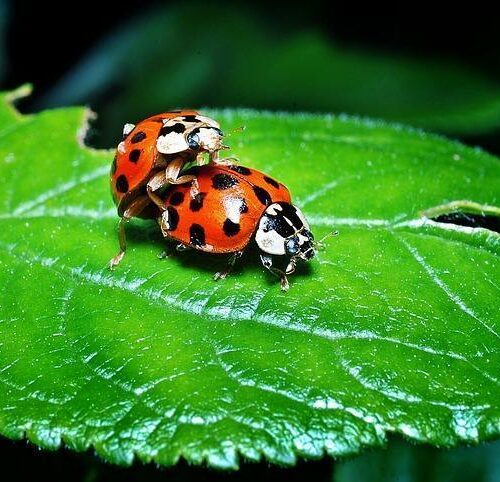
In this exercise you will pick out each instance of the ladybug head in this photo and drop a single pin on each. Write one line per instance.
(190, 133)
(205, 138)
(284, 231)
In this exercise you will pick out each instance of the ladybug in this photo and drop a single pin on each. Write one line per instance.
(152, 155)
(234, 206)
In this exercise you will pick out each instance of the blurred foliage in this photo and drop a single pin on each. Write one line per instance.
(165, 59)
(403, 461)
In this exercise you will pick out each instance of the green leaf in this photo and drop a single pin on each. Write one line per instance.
(247, 63)
(393, 328)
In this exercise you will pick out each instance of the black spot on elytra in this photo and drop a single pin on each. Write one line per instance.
(241, 170)
(196, 235)
(134, 155)
(177, 128)
(113, 165)
(197, 202)
(176, 198)
(138, 137)
(173, 218)
(262, 195)
(271, 181)
(190, 118)
(230, 228)
(122, 184)
(223, 181)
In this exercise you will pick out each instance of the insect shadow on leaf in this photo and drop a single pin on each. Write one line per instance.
(212, 263)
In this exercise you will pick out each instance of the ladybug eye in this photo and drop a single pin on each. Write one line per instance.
(292, 245)
(193, 141)
(219, 132)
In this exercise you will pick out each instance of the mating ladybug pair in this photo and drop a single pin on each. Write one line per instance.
(160, 172)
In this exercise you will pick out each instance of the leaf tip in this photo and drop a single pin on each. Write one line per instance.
(20, 92)
(88, 116)
(11, 97)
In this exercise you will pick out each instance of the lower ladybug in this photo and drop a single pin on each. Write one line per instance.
(151, 155)
(234, 206)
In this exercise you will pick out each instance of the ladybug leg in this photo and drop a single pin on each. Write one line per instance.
(285, 286)
(182, 247)
(172, 176)
(290, 268)
(123, 244)
(212, 157)
(173, 170)
(267, 262)
(156, 182)
(230, 264)
(227, 161)
(201, 159)
(133, 210)
(195, 188)
(167, 252)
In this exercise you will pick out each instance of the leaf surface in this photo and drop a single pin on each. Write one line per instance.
(393, 328)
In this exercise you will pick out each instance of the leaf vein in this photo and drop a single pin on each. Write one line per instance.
(431, 272)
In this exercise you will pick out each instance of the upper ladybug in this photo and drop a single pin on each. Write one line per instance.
(234, 205)
(152, 155)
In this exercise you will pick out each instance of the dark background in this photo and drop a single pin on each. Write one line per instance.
(45, 42)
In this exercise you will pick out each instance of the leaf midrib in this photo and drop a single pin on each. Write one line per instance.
(159, 299)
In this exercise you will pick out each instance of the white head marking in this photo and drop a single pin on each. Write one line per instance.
(171, 143)
(266, 237)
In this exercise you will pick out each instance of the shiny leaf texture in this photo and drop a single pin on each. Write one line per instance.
(393, 328)
(249, 63)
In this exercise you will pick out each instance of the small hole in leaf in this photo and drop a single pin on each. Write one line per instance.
(466, 213)
(471, 220)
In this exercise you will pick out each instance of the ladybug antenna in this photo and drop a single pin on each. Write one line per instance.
(320, 244)
(236, 130)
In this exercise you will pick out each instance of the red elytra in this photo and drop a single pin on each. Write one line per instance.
(151, 156)
(138, 157)
(222, 216)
